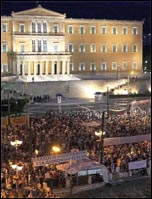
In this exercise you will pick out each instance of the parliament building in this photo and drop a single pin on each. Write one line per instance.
(41, 42)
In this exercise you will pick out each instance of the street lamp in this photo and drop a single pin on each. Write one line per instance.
(101, 134)
(17, 168)
(56, 149)
(16, 143)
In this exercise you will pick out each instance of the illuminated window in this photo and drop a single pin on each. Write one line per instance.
(103, 30)
(55, 28)
(134, 30)
(103, 48)
(4, 27)
(22, 28)
(93, 30)
(33, 46)
(4, 68)
(39, 46)
(33, 27)
(124, 65)
(124, 48)
(71, 67)
(114, 65)
(134, 48)
(114, 48)
(81, 67)
(4, 47)
(22, 48)
(92, 66)
(134, 65)
(70, 47)
(81, 48)
(92, 48)
(70, 29)
(44, 46)
(82, 30)
(114, 31)
(103, 66)
(39, 27)
(44, 27)
(124, 30)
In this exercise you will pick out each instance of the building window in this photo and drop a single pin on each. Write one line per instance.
(134, 30)
(114, 31)
(81, 67)
(134, 48)
(103, 30)
(70, 29)
(134, 65)
(103, 48)
(103, 66)
(44, 27)
(39, 46)
(4, 27)
(114, 48)
(33, 45)
(44, 46)
(124, 48)
(4, 47)
(33, 27)
(124, 65)
(56, 48)
(93, 30)
(4, 68)
(92, 66)
(22, 48)
(124, 30)
(71, 67)
(39, 27)
(55, 28)
(70, 48)
(114, 65)
(22, 28)
(82, 30)
(81, 48)
(92, 48)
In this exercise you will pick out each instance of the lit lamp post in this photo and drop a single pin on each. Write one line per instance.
(101, 134)
(16, 143)
(56, 149)
(16, 168)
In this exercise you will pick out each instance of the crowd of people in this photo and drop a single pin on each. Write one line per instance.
(66, 130)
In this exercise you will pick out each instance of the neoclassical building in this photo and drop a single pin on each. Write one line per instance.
(39, 41)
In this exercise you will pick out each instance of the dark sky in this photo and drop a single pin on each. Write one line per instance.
(127, 10)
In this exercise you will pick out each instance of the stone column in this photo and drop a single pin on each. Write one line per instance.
(63, 67)
(14, 67)
(40, 67)
(46, 68)
(34, 67)
(58, 67)
(68, 67)
(23, 68)
(18, 68)
(89, 179)
(52, 68)
(29, 69)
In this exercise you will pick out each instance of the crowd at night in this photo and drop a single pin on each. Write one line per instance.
(66, 130)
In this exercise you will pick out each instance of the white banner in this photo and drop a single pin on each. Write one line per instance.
(128, 139)
(59, 158)
(137, 164)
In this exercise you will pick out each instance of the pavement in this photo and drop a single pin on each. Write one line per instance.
(63, 192)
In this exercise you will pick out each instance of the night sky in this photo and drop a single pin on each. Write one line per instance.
(123, 10)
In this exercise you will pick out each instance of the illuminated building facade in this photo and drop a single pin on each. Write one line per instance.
(42, 42)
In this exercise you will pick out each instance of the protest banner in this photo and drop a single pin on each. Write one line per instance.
(137, 164)
(59, 158)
